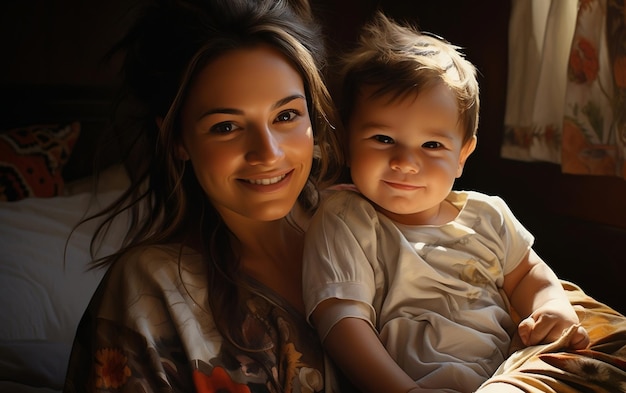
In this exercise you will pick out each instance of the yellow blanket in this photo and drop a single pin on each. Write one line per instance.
(552, 368)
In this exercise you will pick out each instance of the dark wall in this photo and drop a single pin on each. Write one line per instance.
(60, 42)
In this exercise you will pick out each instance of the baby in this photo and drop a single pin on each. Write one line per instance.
(409, 283)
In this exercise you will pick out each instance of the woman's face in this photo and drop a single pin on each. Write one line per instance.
(247, 132)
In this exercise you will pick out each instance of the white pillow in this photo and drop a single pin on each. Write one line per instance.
(43, 295)
(112, 178)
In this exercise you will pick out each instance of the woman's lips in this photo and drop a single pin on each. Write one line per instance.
(267, 181)
(270, 183)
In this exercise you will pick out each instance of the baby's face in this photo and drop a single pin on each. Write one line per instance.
(405, 154)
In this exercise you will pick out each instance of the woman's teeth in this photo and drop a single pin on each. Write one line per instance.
(267, 182)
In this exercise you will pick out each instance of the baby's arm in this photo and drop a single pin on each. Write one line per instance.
(535, 292)
(358, 352)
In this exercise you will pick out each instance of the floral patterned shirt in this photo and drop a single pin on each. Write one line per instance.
(148, 329)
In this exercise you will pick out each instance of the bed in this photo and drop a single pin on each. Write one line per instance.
(46, 186)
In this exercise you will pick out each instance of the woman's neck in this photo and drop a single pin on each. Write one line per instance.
(271, 253)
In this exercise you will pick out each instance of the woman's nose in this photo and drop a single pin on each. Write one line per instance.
(405, 161)
(264, 146)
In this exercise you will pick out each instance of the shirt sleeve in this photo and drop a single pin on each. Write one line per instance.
(128, 336)
(516, 239)
(340, 260)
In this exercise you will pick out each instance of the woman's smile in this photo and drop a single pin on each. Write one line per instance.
(265, 182)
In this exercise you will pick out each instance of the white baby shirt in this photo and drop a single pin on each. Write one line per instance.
(432, 292)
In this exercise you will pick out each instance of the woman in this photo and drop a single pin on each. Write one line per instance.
(236, 135)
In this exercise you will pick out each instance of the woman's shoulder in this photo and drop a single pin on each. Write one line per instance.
(146, 278)
(156, 296)
(152, 264)
(158, 254)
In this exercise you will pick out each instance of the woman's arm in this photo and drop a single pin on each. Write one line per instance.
(537, 295)
(356, 349)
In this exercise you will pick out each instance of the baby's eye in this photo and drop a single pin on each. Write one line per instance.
(432, 145)
(383, 139)
(287, 115)
(223, 128)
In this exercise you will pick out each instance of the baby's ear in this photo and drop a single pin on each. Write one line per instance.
(467, 149)
(181, 152)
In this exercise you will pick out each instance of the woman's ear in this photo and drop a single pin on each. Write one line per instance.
(467, 149)
(181, 152)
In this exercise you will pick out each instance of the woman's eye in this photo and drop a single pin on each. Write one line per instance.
(287, 115)
(383, 139)
(223, 128)
(432, 145)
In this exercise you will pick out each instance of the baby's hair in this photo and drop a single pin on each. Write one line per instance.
(398, 60)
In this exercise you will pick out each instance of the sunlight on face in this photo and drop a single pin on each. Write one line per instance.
(247, 132)
(405, 154)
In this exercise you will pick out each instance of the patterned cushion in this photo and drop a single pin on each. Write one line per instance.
(32, 159)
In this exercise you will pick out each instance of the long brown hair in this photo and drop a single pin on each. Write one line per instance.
(164, 50)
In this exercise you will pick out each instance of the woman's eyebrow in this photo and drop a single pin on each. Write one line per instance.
(228, 111)
(288, 99)
(234, 111)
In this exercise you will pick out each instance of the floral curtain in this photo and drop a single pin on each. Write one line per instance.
(566, 93)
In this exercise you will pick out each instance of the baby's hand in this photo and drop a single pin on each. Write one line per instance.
(548, 322)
